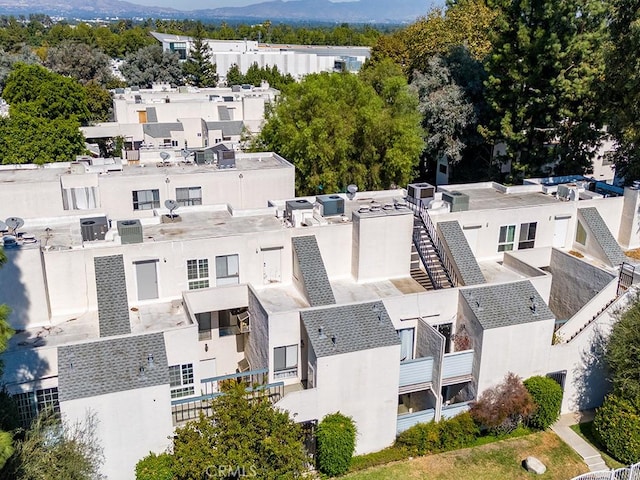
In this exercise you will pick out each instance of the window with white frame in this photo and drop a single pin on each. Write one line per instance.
(406, 343)
(146, 199)
(227, 270)
(527, 237)
(506, 238)
(80, 198)
(30, 404)
(285, 361)
(198, 273)
(186, 196)
(181, 380)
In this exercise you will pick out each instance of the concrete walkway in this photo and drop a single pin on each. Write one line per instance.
(590, 455)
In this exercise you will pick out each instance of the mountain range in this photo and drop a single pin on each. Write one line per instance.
(360, 11)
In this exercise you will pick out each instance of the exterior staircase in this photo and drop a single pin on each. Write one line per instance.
(425, 251)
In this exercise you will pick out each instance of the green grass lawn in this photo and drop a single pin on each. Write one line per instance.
(585, 430)
(495, 461)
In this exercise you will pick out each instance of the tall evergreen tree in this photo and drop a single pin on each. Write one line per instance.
(623, 81)
(198, 70)
(545, 79)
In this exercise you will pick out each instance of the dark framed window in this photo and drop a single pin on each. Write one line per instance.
(285, 361)
(146, 199)
(527, 235)
(227, 270)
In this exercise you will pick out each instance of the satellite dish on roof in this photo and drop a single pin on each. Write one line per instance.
(171, 205)
(14, 223)
(165, 156)
(351, 191)
(3, 226)
(186, 153)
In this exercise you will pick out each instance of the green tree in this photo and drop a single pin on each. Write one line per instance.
(151, 64)
(25, 138)
(246, 435)
(45, 94)
(446, 111)
(155, 467)
(622, 355)
(79, 61)
(623, 87)
(547, 396)
(545, 82)
(337, 130)
(8, 60)
(198, 68)
(336, 444)
(52, 448)
(99, 101)
(234, 76)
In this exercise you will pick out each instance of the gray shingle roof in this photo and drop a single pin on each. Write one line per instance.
(506, 304)
(356, 327)
(152, 115)
(229, 128)
(113, 307)
(112, 365)
(223, 112)
(602, 235)
(314, 275)
(453, 236)
(161, 130)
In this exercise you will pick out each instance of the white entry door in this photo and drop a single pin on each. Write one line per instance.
(560, 231)
(272, 265)
(147, 279)
(471, 234)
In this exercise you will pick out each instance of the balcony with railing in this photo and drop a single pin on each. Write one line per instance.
(457, 367)
(408, 420)
(415, 375)
(450, 411)
(255, 381)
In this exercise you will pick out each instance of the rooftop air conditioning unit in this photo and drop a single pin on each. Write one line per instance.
(297, 211)
(331, 204)
(130, 231)
(226, 159)
(420, 191)
(459, 201)
(94, 228)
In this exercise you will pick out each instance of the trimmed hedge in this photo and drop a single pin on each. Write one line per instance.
(336, 442)
(547, 395)
(617, 425)
(433, 437)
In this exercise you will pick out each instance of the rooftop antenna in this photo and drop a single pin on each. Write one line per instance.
(171, 206)
(351, 191)
(14, 223)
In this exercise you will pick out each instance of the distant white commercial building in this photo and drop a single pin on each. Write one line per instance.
(392, 307)
(296, 60)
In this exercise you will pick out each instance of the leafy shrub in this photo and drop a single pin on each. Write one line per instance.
(501, 409)
(457, 432)
(155, 467)
(547, 396)
(617, 426)
(336, 438)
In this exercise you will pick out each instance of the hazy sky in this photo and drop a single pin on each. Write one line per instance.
(201, 4)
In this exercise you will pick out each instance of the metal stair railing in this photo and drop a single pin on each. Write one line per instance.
(438, 257)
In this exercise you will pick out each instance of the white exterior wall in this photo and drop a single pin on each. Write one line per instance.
(30, 369)
(381, 246)
(23, 288)
(435, 307)
(522, 349)
(284, 330)
(489, 222)
(130, 424)
(362, 385)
